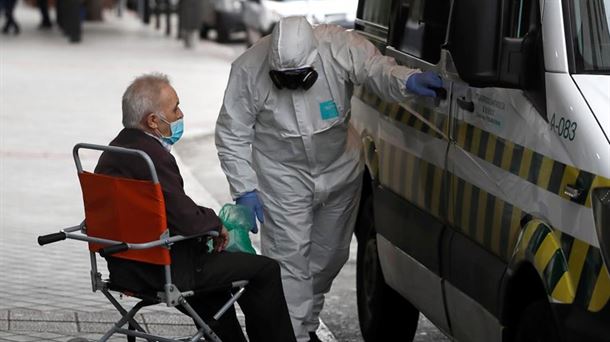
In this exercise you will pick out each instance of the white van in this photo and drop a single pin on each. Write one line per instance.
(260, 16)
(488, 210)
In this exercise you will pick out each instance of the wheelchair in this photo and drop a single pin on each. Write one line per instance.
(125, 218)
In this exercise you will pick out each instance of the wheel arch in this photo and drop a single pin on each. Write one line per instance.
(538, 269)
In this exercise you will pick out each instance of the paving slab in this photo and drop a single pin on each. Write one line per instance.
(36, 315)
(58, 327)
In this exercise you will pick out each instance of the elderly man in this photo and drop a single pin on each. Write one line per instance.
(285, 144)
(153, 122)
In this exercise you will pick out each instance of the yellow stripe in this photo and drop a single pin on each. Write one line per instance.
(497, 226)
(397, 171)
(466, 201)
(544, 175)
(597, 183)
(436, 191)
(418, 124)
(526, 163)
(476, 141)
(528, 232)
(545, 253)
(569, 177)
(577, 260)
(481, 213)
(491, 148)
(507, 155)
(564, 290)
(601, 292)
(461, 137)
(383, 107)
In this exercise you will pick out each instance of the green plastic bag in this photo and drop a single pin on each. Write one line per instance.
(236, 218)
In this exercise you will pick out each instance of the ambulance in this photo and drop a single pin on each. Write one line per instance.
(487, 209)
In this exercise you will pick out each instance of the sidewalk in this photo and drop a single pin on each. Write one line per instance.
(52, 95)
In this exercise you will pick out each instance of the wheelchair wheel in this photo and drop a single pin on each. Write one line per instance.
(78, 339)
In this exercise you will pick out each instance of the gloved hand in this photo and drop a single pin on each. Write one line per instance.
(423, 83)
(251, 200)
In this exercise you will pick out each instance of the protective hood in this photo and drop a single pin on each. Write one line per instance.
(596, 90)
(293, 44)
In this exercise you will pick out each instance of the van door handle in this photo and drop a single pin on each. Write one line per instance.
(465, 105)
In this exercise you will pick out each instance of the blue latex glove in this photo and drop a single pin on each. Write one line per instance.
(423, 83)
(251, 200)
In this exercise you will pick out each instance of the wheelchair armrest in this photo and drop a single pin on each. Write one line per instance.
(118, 246)
(50, 238)
(113, 249)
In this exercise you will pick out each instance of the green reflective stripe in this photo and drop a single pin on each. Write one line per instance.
(516, 159)
(588, 277)
(583, 181)
(554, 270)
(536, 240)
(566, 244)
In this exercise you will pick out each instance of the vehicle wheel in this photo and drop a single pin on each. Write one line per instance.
(222, 28)
(537, 324)
(384, 315)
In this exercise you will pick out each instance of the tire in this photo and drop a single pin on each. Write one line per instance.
(537, 324)
(384, 314)
(222, 28)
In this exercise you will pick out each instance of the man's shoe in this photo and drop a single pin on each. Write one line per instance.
(313, 337)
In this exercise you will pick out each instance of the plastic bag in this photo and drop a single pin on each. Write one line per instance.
(236, 218)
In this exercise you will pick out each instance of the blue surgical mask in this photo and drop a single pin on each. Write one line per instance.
(176, 128)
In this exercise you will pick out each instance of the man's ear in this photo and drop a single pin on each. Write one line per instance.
(151, 121)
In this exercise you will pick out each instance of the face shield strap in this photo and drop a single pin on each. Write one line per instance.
(293, 79)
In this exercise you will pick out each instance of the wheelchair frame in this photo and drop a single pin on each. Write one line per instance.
(171, 296)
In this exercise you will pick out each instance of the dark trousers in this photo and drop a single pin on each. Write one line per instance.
(9, 8)
(263, 302)
(43, 6)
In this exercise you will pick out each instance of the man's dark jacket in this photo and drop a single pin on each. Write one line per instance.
(184, 217)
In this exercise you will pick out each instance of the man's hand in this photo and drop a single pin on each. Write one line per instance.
(252, 201)
(424, 83)
(222, 240)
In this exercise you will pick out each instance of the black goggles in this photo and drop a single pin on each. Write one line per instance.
(293, 79)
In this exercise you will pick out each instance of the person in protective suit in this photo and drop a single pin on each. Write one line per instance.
(288, 152)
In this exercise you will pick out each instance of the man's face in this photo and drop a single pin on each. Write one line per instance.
(169, 106)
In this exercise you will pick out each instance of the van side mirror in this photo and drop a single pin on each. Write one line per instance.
(483, 54)
(600, 200)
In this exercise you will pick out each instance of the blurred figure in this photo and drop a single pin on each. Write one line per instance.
(190, 13)
(45, 22)
(10, 23)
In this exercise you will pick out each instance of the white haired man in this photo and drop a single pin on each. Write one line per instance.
(153, 123)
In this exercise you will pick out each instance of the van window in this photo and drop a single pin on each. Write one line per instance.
(420, 28)
(520, 14)
(591, 23)
(375, 11)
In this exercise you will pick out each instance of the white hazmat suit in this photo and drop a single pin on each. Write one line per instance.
(296, 148)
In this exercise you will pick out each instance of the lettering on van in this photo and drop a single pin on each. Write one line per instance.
(487, 110)
(565, 128)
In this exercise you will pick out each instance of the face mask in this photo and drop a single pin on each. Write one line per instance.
(293, 79)
(176, 129)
